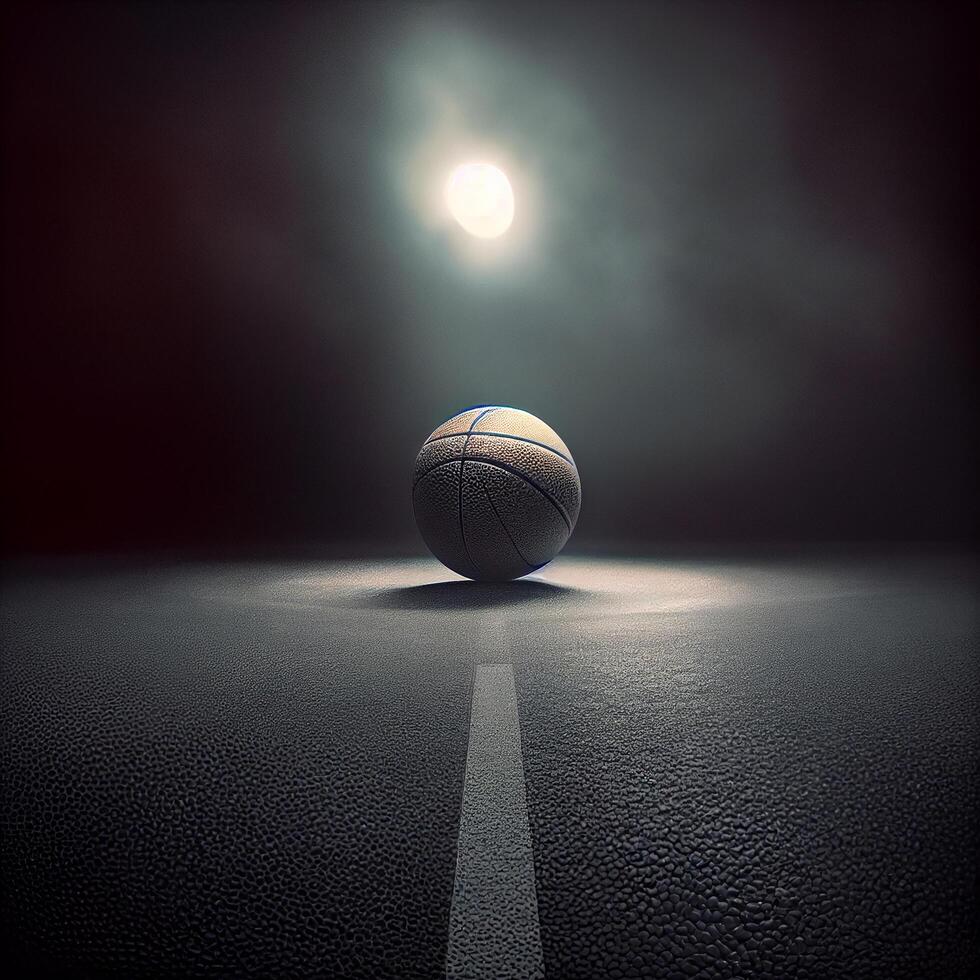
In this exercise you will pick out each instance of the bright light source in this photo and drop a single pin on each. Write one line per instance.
(481, 199)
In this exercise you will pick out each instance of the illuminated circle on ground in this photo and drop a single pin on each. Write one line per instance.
(481, 199)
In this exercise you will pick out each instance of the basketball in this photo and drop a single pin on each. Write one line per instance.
(496, 493)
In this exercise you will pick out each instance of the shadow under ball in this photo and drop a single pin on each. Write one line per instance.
(496, 493)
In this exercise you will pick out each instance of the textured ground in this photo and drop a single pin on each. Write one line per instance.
(732, 770)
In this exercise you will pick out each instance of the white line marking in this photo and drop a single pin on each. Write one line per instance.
(494, 932)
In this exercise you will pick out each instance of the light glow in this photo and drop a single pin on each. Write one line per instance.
(481, 199)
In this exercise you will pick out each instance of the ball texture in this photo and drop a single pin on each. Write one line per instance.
(496, 493)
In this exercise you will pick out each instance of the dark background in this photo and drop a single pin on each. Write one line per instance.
(740, 285)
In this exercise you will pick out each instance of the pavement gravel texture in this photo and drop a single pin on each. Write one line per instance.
(733, 769)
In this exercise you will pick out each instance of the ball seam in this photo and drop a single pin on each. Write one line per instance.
(462, 464)
(510, 469)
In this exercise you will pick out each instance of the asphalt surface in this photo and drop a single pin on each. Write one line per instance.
(731, 769)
